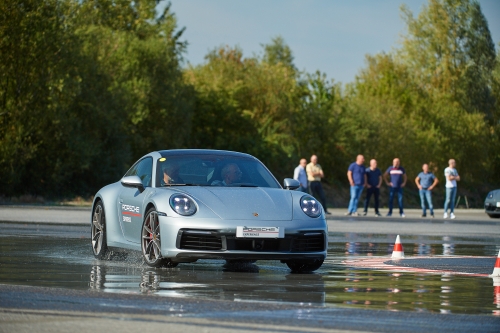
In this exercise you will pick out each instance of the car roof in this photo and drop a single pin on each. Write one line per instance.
(177, 152)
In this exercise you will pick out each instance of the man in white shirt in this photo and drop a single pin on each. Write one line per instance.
(452, 177)
(300, 175)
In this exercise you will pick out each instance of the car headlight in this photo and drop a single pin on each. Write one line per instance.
(182, 204)
(310, 206)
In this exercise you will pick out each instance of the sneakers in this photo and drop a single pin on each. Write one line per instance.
(452, 216)
(432, 215)
(364, 213)
(355, 214)
(389, 214)
(423, 215)
(328, 213)
(403, 215)
(445, 215)
(378, 214)
(347, 214)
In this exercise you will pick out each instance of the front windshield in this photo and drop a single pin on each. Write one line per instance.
(213, 170)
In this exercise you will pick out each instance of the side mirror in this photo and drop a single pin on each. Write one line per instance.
(133, 181)
(291, 184)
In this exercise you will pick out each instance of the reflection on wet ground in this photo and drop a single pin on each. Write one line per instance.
(56, 260)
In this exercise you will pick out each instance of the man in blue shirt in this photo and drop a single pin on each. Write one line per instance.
(357, 179)
(373, 183)
(396, 183)
(426, 181)
(300, 175)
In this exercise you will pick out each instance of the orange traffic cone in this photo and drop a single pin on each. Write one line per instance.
(496, 295)
(496, 270)
(398, 250)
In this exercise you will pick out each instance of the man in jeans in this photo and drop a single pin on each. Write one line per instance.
(452, 177)
(426, 181)
(357, 179)
(373, 183)
(396, 183)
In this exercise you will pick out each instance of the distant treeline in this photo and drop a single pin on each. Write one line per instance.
(89, 86)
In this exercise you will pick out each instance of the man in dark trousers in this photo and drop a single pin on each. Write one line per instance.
(314, 175)
(373, 183)
(395, 177)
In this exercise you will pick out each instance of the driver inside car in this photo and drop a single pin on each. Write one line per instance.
(230, 173)
(171, 174)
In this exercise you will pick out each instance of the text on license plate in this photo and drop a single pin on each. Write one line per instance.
(260, 232)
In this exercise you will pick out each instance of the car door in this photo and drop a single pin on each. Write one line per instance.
(131, 200)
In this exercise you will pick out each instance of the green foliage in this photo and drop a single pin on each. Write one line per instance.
(87, 87)
(84, 86)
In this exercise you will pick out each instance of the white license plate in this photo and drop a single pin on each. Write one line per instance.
(260, 232)
(498, 204)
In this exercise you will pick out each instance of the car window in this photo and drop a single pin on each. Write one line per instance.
(208, 170)
(144, 170)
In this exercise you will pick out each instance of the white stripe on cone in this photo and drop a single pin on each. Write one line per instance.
(398, 250)
(496, 270)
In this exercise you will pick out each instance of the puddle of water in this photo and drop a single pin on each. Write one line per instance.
(68, 263)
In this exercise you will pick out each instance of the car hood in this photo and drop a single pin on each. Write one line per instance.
(243, 203)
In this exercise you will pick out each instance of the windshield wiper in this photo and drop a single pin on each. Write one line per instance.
(185, 184)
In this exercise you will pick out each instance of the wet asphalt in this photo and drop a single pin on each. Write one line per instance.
(50, 282)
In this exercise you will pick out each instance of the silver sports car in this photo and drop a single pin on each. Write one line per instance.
(179, 206)
(492, 204)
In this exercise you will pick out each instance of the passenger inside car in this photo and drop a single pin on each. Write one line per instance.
(230, 173)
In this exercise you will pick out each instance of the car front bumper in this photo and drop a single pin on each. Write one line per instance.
(185, 241)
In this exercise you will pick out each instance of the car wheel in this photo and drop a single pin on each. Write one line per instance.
(151, 241)
(302, 266)
(98, 231)
(494, 216)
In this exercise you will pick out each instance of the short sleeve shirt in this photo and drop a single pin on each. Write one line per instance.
(358, 173)
(450, 172)
(311, 168)
(396, 175)
(426, 179)
(373, 176)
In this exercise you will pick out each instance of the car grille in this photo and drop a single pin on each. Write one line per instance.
(310, 242)
(193, 241)
(491, 208)
(213, 241)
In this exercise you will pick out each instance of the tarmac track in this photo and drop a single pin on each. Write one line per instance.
(40, 309)
(61, 310)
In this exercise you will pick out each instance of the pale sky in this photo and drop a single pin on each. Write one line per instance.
(332, 36)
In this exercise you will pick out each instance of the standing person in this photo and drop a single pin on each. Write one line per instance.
(300, 175)
(314, 175)
(373, 183)
(426, 181)
(452, 177)
(397, 181)
(357, 179)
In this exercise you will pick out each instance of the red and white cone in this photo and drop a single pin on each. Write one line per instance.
(496, 270)
(496, 294)
(398, 250)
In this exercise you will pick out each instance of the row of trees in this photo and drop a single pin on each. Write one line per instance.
(87, 87)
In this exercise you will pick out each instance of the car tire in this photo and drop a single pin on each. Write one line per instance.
(98, 231)
(494, 216)
(151, 241)
(303, 266)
